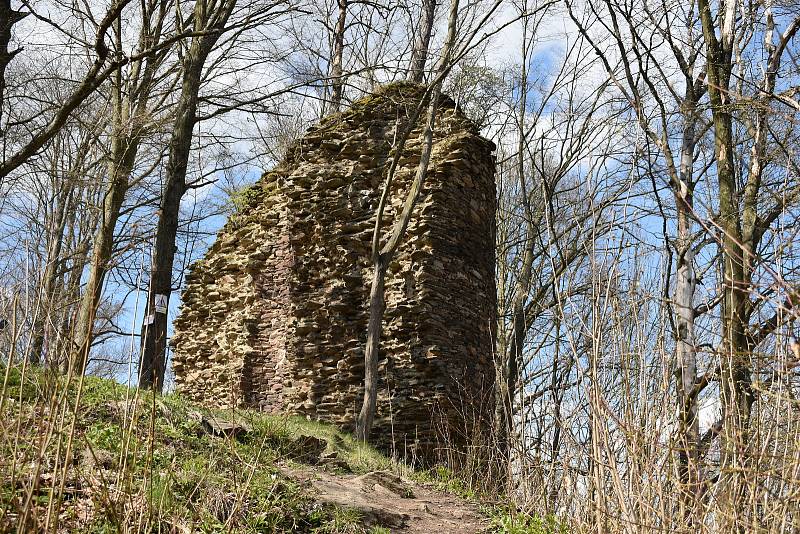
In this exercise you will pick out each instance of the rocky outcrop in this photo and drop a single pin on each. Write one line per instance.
(275, 314)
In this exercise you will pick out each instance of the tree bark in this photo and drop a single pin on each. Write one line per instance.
(381, 259)
(736, 387)
(422, 39)
(8, 17)
(154, 327)
(50, 276)
(127, 134)
(337, 59)
(381, 264)
(509, 368)
(374, 328)
(685, 287)
(72, 292)
(100, 264)
(210, 23)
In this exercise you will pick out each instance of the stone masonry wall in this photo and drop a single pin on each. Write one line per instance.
(275, 314)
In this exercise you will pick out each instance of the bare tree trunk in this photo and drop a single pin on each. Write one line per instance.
(337, 58)
(374, 328)
(557, 387)
(50, 276)
(422, 39)
(127, 133)
(597, 462)
(682, 183)
(72, 293)
(99, 265)
(383, 257)
(509, 368)
(210, 21)
(736, 387)
(8, 17)
(154, 327)
(120, 166)
(381, 263)
(685, 286)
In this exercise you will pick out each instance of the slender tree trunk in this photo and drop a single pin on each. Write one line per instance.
(210, 19)
(100, 264)
(736, 388)
(422, 39)
(374, 328)
(509, 369)
(337, 59)
(381, 264)
(510, 366)
(72, 291)
(154, 327)
(50, 276)
(597, 462)
(383, 257)
(127, 133)
(685, 286)
(557, 386)
(123, 156)
(8, 17)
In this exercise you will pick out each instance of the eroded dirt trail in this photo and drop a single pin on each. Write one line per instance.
(386, 500)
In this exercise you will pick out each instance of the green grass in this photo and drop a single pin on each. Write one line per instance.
(509, 521)
(446, 480)
(504, 519)
(148, 462)
(138, 463)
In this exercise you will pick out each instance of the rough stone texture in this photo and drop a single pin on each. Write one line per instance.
(275, 314)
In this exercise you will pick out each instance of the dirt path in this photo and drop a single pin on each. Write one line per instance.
(389, 501)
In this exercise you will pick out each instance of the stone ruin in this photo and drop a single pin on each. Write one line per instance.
(275, 316)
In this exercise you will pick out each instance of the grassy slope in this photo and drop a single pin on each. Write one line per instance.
(119, 460)
(147, 464)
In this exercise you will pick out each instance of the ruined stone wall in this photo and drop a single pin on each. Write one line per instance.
(275, 315)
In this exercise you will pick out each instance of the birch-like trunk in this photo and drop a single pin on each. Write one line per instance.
(683, 300)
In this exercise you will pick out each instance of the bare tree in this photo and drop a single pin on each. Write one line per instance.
(100, 70)
(8, 17)
(209, 21)
(627, 62)
(382, 255)
(422, 39)
(215, 38)
(70, 162)
(132, 120)
(742, 225)
(337, 57)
